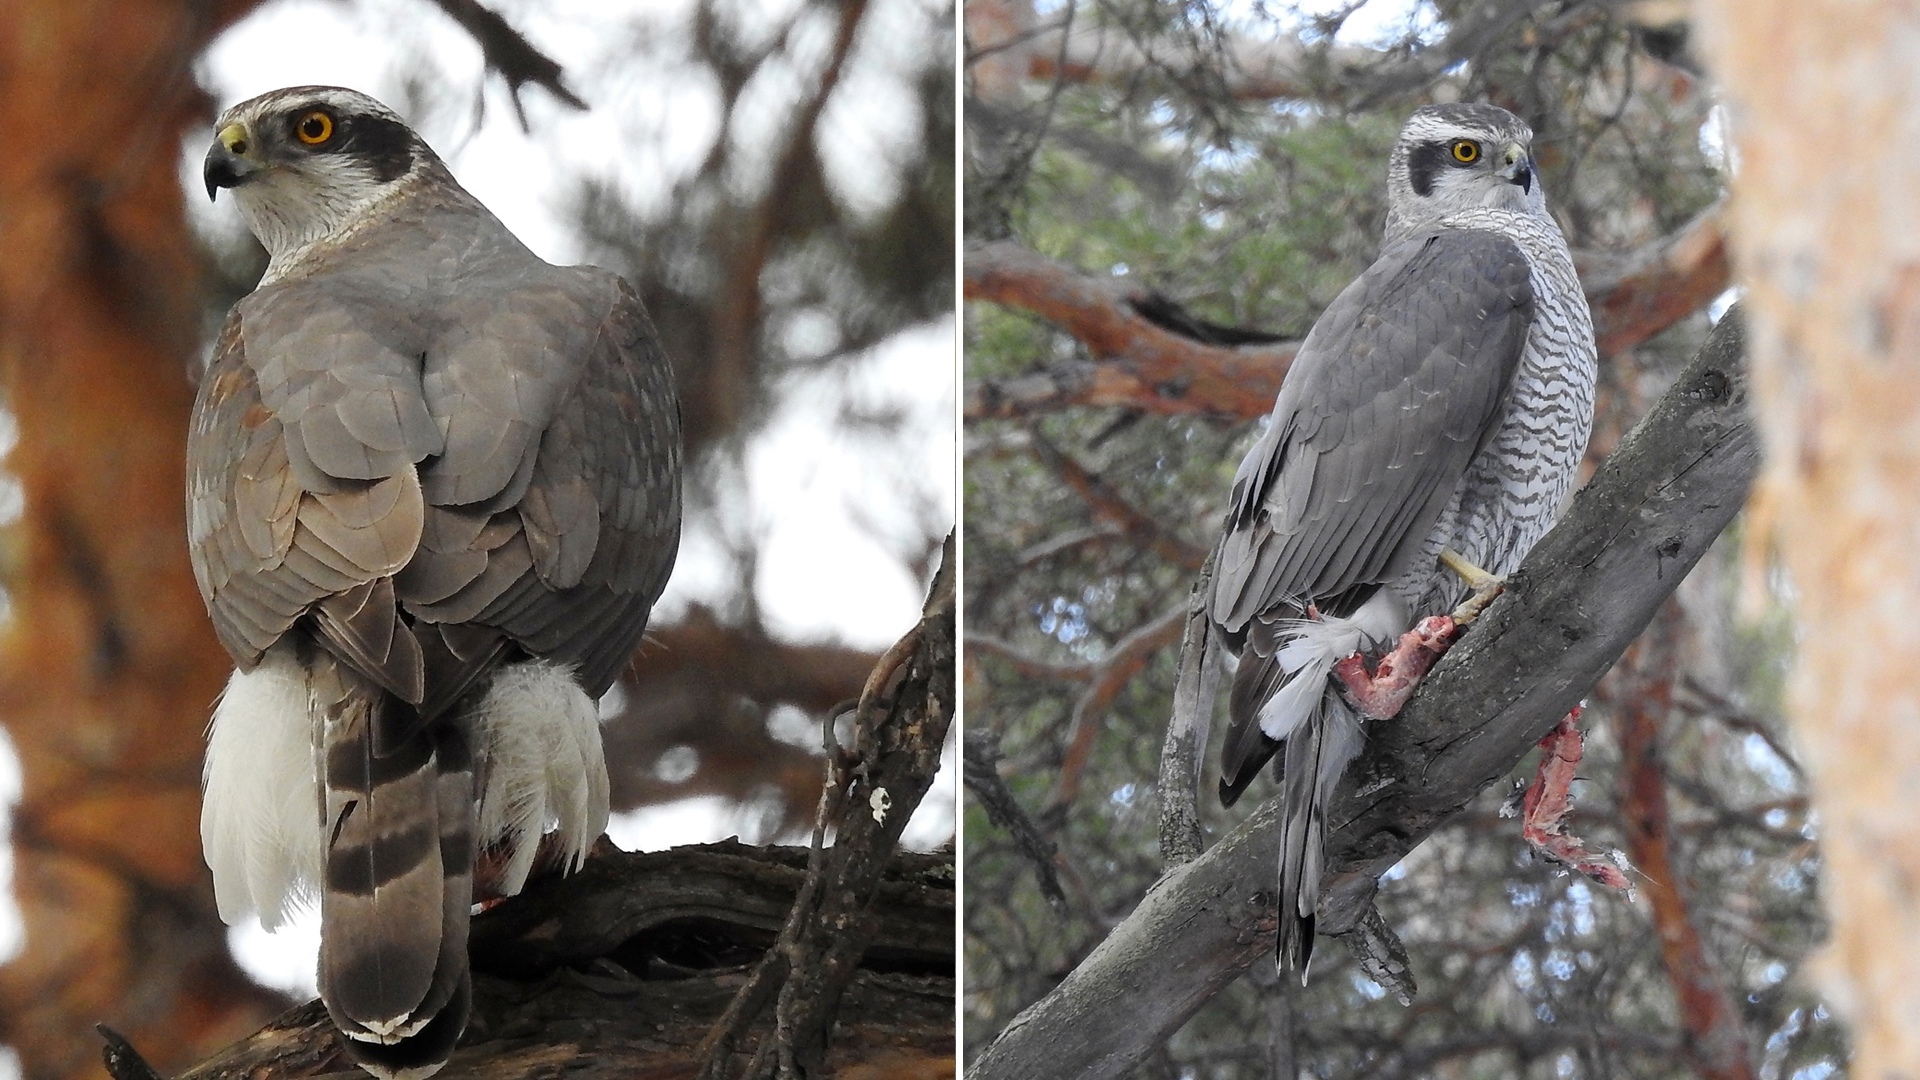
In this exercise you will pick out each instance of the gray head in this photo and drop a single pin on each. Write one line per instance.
(307, 163)
(1457, 157)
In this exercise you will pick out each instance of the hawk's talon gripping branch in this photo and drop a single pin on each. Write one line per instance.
(1486, 586)
(1543, 815)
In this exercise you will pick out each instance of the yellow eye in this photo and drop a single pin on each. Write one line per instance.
(1466, 151)
(316, 127)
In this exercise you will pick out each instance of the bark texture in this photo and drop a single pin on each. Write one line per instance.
(1831, 260)
(1583, 594)
(108, 664)
(621, 970)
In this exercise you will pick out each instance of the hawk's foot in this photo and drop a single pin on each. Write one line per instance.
(1385, 691)
(1485, 586)
(1543, 814)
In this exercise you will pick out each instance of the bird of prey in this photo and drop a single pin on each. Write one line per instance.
(1426, 436)
(433, 494)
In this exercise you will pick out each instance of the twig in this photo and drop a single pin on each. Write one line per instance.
(1108, 506)
(980, 757)
(122, 1060)
(510, 54)
(1118, 668)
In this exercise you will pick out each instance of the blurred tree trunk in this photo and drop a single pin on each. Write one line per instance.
(108, 665)
(1829, 247)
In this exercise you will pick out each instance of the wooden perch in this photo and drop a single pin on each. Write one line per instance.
(1582, 595)
(619, 970)
(660, 965)
(1139, 365)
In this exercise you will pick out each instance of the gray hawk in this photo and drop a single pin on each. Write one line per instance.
(433, 493)
(1427, 434)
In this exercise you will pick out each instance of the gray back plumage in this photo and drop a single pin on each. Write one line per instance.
(1444, 399)
(416, 455)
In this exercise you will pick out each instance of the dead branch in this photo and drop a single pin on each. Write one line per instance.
(900, 726)
(510, 54)
(1182, 757)
(1583, 594)
(1140, 365)
(619, 970)
(980, 758)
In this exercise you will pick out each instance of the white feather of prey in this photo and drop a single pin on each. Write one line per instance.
(1314, 646)
(260, 822)
(536, 733)
(543, 765)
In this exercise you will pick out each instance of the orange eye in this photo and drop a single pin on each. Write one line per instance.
(316, 127)
(1466, 151)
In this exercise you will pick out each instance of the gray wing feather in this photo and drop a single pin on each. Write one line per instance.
(1398, 386)
(524, 477)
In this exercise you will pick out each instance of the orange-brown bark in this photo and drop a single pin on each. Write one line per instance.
(1149, 368)
(107, 665)
(1831, 261)
(1657, 286)
(1139, 365)
(1715, 1043)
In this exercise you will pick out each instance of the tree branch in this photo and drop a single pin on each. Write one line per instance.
(1109, 506)
(1152, 369)
(1127, 659)
(899, 726)
(1715, 1042)
(510, 54)
(1582, 595)
(1140, 365)
(617, 971)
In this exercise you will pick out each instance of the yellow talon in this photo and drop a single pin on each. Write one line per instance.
(1485, 586)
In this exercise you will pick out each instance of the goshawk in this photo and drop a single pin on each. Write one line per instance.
(1430, 428)
(433, 494)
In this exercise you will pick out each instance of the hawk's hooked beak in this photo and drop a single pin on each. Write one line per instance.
(231, 161)
(1519, 170)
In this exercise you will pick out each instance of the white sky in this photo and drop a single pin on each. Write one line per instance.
(829, 504)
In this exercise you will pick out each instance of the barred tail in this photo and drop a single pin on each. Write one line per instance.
(1315, 756)
(398, 876)
(1283, 702)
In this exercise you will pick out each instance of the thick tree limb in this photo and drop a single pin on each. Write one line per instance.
(618, 971)
(1140, 365)
(1583, 594)
(1154, 369)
